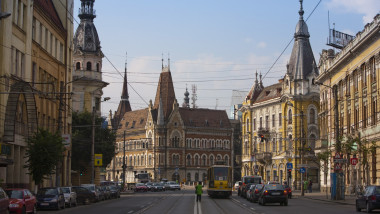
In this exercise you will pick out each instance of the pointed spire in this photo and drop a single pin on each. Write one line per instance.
(261, 81)
(256, 81)
(125, 95)
(301, 12)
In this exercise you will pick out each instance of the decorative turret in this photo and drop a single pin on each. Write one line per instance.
(87, 10)
(186, 100)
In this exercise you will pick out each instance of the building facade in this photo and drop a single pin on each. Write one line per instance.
(280, 124)
(36, 64)
(354, 73)
(168, 141)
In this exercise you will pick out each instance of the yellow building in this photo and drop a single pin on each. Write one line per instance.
(280, 123)
(35, 60)
(354, 72)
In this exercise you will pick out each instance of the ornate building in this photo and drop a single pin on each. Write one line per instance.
(87, 76)
(168, 141)
(36, 66)
(289, 110)
(354, 73)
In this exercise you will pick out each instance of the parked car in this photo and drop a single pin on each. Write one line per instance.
(248, 193)
(256, 193)
(94, 189)
(273, 193)
(149, 185)
(245, 189)
(114, 192)
(289, 190)
(4, 202)
(369, 199)
(140, 187)
(70, 196)
(106, 192)
(158, 187)
(172, 185)
(50, 198)
(84, 195)
(21, 201)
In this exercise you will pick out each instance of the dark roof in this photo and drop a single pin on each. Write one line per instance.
(270, 92)
(48, 8)
(165, 90)
(204, 118)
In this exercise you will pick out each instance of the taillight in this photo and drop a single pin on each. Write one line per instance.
(285, 192)
(373, 198)
(266, 192)
(256, 191)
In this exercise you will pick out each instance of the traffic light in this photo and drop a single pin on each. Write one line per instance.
(262, 138)
(289, 173)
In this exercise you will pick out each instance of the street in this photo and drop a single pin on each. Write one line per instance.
(184, 202)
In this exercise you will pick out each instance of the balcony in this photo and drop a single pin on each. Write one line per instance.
(264, 157)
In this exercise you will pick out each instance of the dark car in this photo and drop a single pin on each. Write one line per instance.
(106, 192)
(21, 201)
(245, 190)
(114, 191)
(50, 198)
(289, 190)
(149, 185)
(256, 193)
(94, 189)
(140, 187)
(84, 195)
(4, 202)
(273, 193)
(158, 187)
(369, 200)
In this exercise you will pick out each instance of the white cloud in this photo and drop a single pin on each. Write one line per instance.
(262, 45)
(369, 8)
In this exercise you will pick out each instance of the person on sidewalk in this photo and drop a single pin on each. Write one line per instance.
(305, 185)
(310, 186)
(199, 191)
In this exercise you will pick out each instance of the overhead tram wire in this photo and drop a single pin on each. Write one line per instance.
(289, 42)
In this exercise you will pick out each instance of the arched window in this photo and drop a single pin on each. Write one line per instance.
(312, 116)
(188, 177)
(188, 160)
(196, 160)
(138, 160)
(130, 160)
(211, 160)
(290, 117)
(204, 160)
(226, 160)
(247, 125)
(89, 66)
(77, 67)
(150, 159)
(97, 67)
(312, 139)
(196, 176)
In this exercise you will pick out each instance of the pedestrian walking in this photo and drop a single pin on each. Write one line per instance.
(310, 186)
(199, 191)
(305, 185)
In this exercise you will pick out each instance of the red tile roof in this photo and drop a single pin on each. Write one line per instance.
(205, 118)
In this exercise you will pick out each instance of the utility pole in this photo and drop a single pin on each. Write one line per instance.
(338, 145)
(93, 147)
(302, 154)
(124, 161)
(60, 122)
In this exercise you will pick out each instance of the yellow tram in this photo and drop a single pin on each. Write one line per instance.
(219, 180)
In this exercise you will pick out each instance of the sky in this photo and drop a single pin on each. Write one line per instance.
(215, 45)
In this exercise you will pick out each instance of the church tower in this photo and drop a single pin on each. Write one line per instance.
(87, 76)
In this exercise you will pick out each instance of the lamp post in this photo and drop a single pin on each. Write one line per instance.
(93, 142)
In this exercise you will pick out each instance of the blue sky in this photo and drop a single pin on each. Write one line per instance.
(217, 45)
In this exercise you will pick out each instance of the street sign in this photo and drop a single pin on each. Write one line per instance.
(289, 159)
(98, 160)
(289, 165)
(337, 167)
(302, 170)
(337, 156)
(354, 161)
(256, 170)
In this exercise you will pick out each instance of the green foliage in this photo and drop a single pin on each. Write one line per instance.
(324, 156)
(82, 140)
(43, 152)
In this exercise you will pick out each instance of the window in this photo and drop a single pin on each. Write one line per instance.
(188, 160)
(226, 160)
(77, 67)
(89, 66)
(247, 125)
(364, 72)
(374, 109)
(34, 29)
(254, 124)
(267, 122)
(261, 123)
(365, 115)
(211, 160)
(279, 119)
(312, 116)
(204, 160)
(273, 120)
(372, 64)
(196, 160)
(280, 145)
(290, 117)
(97, 67)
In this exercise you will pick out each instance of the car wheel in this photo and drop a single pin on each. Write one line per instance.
(369, 208)
(357, 207)
(23, 211)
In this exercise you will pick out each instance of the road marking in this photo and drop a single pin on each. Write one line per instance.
(199, 208)
(244, 205)
(130, 211)
(253, 208)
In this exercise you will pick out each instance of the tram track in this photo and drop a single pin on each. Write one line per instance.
(170, 210)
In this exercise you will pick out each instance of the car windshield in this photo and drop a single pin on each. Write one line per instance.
(17, 194)
(259, 186)
(113, 187)
(66, 190)
(140, 185)
(255, 180)
(274, 187)
(91, 188)
(47, 192)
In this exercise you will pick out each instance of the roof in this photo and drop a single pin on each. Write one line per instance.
(165, 90)
(270, 92)
(134, 119)
(48, 8)
(199, 117)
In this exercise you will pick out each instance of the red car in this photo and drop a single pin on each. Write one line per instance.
(140, 187)
(21, 201)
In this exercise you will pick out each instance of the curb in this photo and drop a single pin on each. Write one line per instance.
(326, 200)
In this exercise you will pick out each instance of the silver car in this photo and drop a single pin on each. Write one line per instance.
(70, 196)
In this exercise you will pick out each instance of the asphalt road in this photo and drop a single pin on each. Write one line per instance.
(172, 202)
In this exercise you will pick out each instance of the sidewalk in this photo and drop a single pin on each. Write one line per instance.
(321, 196)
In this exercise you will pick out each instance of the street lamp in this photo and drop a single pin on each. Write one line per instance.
(93, 141)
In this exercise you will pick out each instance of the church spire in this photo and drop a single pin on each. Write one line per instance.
(87, 10)
(301, 12)
(125, 95)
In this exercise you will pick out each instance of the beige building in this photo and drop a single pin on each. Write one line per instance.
(35, 60)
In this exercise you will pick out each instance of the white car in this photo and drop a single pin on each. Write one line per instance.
(237, 184)
(172, 185)
(70, 196)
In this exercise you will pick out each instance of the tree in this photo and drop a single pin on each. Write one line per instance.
(81, 141)
(44, 151)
